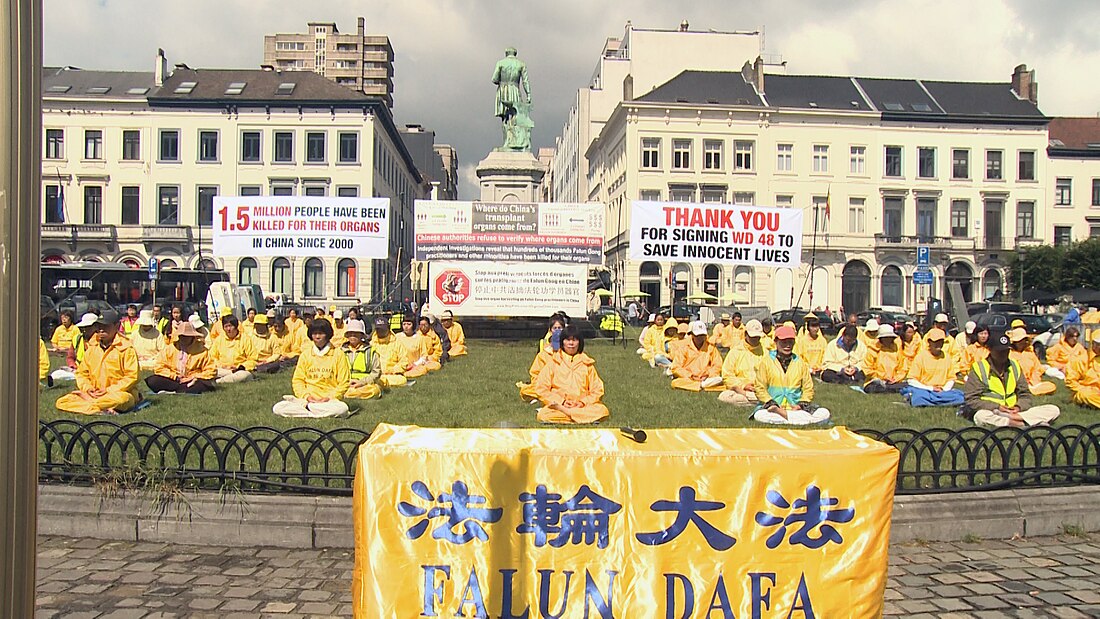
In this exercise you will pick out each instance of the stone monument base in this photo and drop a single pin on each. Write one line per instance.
(510, 176)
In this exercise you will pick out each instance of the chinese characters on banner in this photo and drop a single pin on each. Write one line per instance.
(517, 289)
(510, 232)
(716, 233)
(301, 226)
(575, 523)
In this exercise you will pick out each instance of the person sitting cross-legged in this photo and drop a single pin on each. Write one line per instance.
(569, 387)
(810, 345)
(363, 363)
(724, 332)
(284, 341)
(233, 353)
(146, 340)
(784, 386)
(321, 378)
(996, 392)
(455, 332)
(739, 367)
(267, 347)
(432, 342)
(1064, 352)
(975, 350)
(107, 377)
(1083, 375)
(1029, 363)
(844, 359)
(185, 365)
(932, 376)
(697, 365)
(886, 365)
(390, 352)
(417, 360)
(63, 335)
(527, 389)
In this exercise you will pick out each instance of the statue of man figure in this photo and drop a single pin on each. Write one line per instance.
(509, 75)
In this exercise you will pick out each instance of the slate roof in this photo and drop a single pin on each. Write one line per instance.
(894, 95)
(814, 92)
(703, 87)
(72, 82)
(981, 99)
(210, 85)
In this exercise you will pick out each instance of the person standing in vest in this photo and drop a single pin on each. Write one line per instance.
(996, 392)
(366, 367)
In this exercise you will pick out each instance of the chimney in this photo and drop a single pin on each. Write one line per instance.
(684, 26)
(362, 26)
(628, 88)
(160, 69)
(758, 71)
(1024, 84)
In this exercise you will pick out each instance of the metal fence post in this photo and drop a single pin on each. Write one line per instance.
(20, 182)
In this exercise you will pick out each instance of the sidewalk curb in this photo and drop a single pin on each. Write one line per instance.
(293, 521)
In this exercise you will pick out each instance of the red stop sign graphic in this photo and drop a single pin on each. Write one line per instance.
(452, 287)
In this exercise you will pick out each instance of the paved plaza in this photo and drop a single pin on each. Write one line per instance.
(96, 579)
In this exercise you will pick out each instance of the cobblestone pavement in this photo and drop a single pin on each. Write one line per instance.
(96, 579)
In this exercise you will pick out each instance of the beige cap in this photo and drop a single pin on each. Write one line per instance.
(936, 335)
(886, 331)
(1017, 334)
(698, 328)
(753, 328)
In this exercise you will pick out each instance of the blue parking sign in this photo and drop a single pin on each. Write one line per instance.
(154, 268)
(924, 255)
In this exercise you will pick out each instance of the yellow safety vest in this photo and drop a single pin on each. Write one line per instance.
(361, 365)
(78, 346)
(395, 322)
(1002, 394)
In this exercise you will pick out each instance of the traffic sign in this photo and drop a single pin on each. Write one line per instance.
(924, 255)
(154, 268)
(922, 276)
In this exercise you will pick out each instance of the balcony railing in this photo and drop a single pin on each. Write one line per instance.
(79, 232)
(889, 241)
(168, 234)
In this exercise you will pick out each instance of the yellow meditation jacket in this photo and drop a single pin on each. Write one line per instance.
(691, 361)
(147, 347)
(322, 374)
(233, 353)
(267, 348)
(458, 339)
(932, 371)
(1061, 355)
(811, 350)
(888, 365)
(113, 369)
(786, 388)
(739, 367)
(569, 378)
(391, 353)
(43, 360)
(178, 364)
(1083, 372)
(63, 336)
(1030, 366)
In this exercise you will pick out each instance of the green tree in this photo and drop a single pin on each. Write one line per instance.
(1042, 269)
(1081, 265)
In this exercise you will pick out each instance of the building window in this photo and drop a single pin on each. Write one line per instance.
(893, 292)
(1025, 220)
(681, 154)
(784, 201)
(246, 271)
(282, 190)
(206, 197)
(744, 197)
(249, 190)
(55, 210)
(1027, 165)
(280, 276)
(284, 147)
(893, 209)
(821, 206)
(314, 278)
(208, 146)
(349, 147)
(315, 147)
(821, 158)
(1063, 192)
(714, 196)
(1063, 235)
(960, 218)
(131, 206)
(93, 144)
(55, 143)
(712, 154)
(651, 153)
(993, 161)
(743, 155)
(169, 145)
(960, 164)
(131, 145)
(650, 195)
(681, 195)
(348, 191)
(893, 162)
(857, 161)
(345, 278)
(168, 206)
(926, 162)
(857, 215)
(784, 157)
(93, 204)
(926, 219)
(250, 147)
(316, 191)
(1094, 231)
(1096, 192)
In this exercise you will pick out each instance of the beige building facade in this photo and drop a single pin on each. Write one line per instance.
(1073, 180)
(132, 163)
(360, 61)
(879, 167)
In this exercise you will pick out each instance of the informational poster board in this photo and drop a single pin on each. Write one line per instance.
(716, 233)
(301, 226)
(510, 232)
(507, 289)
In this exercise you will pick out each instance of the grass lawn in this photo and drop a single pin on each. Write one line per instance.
(479, 391)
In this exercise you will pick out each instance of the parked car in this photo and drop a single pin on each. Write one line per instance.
(888, 316)
(797, 315)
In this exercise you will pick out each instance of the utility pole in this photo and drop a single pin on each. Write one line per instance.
(20, 225)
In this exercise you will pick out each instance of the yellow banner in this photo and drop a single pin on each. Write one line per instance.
(562, 523)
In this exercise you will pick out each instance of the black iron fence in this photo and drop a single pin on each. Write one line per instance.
(307, 460)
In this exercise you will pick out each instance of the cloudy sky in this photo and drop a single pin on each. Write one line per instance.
(446, 49)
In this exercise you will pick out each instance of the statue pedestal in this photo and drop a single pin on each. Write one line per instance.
(510, 176)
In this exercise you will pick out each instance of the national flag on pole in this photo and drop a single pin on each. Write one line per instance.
(828, 202)
(59, 207)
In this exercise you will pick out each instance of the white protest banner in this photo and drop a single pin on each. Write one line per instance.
(507, 289)
(301, 226)
(510, 232)
(722, 233)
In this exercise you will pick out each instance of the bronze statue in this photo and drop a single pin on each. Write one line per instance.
(513, 105)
